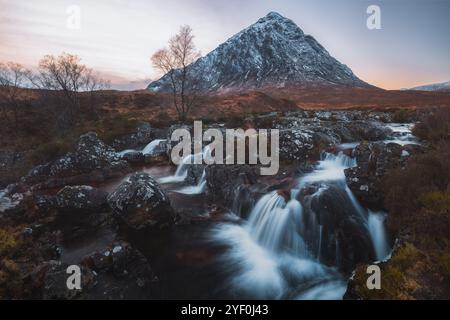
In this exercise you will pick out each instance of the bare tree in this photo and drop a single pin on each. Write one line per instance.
(13, 77)
(93, 83)
(174, 61)
(64, 77)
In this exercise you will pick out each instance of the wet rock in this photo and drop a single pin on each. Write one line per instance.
(156, 160)
(344, 237)
(55, 276)
(143, 134)
(122, 273)
(374, 160)
(140, 204)
(194, 173)
(223, 180)
(134, 157)
(81, 199)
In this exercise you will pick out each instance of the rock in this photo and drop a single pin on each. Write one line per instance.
(12, 203)
(156, 160)
(194, 173)
(55, 281)
(296, 144)
(361, 131)
(92, 161)
(81, 199)
(10, 162)
(373, 161)
(169, 143)
(122, 273)
(140, 204)
(134, 157)
(224, 180)
(143, 134)
(345, 239)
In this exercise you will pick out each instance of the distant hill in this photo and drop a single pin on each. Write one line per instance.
(443, 86)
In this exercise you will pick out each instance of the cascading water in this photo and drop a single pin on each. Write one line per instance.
(182, 172)
(148, 149)
(401, 134)
(378, 235)
(197, 189)
(277, 253)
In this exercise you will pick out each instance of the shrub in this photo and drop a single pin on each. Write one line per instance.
(434, 126)
(51, 150)
(7, 242)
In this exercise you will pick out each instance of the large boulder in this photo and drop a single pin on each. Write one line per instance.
(330, 215)
(92, 161)
(140, 203)
(223, 181)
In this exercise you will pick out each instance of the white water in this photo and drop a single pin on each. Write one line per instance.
(402, 134)
(197, 189)
(182, 171)
(268, 253)
(148, 149)
(151, 146)
(378, 235)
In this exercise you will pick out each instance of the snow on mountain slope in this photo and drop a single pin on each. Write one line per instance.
(272, 52)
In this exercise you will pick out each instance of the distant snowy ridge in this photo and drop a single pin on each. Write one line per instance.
(442, 86)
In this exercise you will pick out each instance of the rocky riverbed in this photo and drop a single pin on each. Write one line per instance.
(142, 228)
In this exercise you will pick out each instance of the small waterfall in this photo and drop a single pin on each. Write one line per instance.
(282, 244)
(148, 149)
(197, 189)
(274, 223)
(378, 235)
(152, 146)
(181, 172)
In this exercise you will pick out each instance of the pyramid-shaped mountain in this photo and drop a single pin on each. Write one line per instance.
(273, 52)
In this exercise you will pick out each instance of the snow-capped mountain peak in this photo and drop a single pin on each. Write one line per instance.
(273, 52)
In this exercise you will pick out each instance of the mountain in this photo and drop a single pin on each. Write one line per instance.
(273, 52)
(443, 86)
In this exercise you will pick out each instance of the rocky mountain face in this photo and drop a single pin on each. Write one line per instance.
(273, 52)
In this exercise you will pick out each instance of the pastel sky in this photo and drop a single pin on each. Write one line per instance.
(117, 37)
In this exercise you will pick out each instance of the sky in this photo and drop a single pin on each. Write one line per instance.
(118, 37)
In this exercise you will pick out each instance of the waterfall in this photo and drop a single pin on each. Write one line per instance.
(378, 235)
(151, 146)
(148, 149)
(273, 224)
(197, 189)
(281, 244)
(181, 172)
